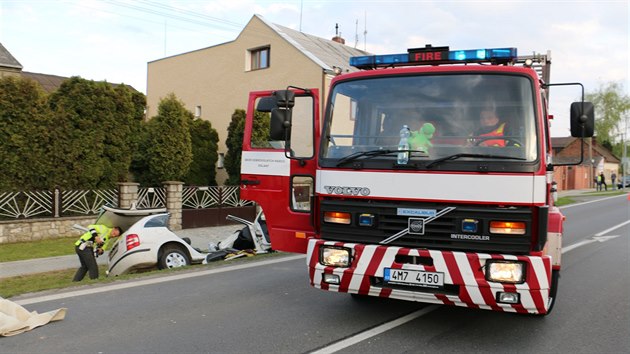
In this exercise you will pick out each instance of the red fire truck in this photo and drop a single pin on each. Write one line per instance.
(403, 191)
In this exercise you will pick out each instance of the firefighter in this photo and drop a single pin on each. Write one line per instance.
(490, 125)
(90, 245)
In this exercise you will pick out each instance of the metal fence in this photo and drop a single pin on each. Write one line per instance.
(62, 203)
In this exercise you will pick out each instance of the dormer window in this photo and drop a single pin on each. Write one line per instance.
(259, 58)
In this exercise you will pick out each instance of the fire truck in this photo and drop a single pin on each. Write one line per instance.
(398, 192)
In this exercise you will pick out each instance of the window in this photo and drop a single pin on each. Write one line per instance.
(197, 111)
(259, 58)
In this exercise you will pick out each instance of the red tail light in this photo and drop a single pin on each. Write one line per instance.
(133, 241)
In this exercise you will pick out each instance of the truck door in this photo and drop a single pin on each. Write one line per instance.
(279, 174)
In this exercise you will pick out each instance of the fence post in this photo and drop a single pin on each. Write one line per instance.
(174, 192)
(127, 194)
(56, 202)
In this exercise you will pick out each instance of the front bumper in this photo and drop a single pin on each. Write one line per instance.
(139, 258)
(465, 283)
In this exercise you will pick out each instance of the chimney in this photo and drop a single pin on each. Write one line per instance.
(339, 40)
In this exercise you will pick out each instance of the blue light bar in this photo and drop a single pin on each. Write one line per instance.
(435, 56)
(482, 54)
(379, 60)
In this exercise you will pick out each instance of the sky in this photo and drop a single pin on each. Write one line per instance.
(113, 40)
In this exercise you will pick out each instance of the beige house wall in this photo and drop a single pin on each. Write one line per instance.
(217, 79)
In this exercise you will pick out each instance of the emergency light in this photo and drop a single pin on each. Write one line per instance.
(434, 56)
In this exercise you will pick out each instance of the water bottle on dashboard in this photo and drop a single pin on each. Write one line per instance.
(403, 157)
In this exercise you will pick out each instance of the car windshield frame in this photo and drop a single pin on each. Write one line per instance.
(366, 115)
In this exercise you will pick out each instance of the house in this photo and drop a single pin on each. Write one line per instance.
(212, 82)
(10, 66)
(597, 159)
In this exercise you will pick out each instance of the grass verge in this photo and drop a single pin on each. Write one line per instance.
(61, 279)
(19, 251)
(607, 193)
(564, 201)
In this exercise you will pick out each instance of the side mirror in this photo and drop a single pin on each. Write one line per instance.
(280, 124)
(266, 104)
(582, 119)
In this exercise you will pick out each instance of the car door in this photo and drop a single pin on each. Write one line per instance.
(279, 175)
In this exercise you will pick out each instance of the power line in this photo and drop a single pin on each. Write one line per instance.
(170, 12)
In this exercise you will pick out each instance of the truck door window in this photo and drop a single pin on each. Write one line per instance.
(301, 129)
(301, 192)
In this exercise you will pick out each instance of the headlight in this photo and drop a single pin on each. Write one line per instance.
(505, 272)
(334, 257)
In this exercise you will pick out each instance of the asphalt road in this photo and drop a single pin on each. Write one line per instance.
(269, 307)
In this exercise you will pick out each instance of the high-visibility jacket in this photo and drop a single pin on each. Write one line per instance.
(103, 232)
(494, 142)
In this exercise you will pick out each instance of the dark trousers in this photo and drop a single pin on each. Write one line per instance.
(88, 263)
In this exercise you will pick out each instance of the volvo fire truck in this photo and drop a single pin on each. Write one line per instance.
(460, 217)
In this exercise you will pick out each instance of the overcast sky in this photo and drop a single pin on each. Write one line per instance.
(114, 40)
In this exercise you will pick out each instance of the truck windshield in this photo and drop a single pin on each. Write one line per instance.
(461, 120)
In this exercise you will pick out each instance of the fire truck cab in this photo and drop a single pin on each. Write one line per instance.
(428, 180)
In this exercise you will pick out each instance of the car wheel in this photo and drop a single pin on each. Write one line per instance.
(173, 257)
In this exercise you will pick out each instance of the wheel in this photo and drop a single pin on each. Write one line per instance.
(173, 257)
(555, 277)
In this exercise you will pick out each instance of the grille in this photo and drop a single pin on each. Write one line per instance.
(442, 233)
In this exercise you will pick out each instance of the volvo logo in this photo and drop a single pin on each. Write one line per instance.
(347, 190)
(416, 226)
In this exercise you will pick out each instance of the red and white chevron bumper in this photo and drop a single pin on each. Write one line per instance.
(465, 282)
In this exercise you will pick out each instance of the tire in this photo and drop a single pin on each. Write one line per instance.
(555, 279)
(173, 257)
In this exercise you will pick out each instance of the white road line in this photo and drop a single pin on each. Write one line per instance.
(133, 284)
(595, 237)
(357, 338)
(613, 228)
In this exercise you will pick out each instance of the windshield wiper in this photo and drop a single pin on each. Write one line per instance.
(482, 156)
(370, 153)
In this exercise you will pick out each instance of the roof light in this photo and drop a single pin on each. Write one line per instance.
(434, 56)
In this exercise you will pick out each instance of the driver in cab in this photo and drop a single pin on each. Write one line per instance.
(490, 125)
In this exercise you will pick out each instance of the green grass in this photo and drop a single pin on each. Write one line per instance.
(18, 251)
(606, 193)
(564, 201)
(61, 279)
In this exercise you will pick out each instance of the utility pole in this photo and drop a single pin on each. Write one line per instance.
(624, 169)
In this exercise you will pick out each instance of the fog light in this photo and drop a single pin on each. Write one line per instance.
(366, 220)
(508, 298)
(470, 226)
(334, 257)
(331, 279)
(505, 272)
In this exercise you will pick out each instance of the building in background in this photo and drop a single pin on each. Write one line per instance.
(597, 159)
(213, 82)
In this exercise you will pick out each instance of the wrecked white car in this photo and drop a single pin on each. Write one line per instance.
(146, 242)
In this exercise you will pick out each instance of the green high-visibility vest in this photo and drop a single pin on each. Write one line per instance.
(102, 231)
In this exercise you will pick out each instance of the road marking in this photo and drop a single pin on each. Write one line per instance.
(360, 337)
(143, 282)
(598, 237)
(591, 201)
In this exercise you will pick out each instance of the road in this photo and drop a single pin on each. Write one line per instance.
(269, 307)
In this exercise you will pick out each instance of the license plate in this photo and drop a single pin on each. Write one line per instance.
(414, 278)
